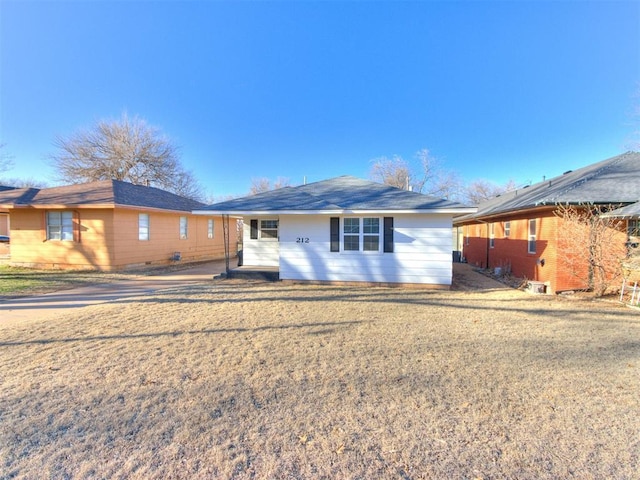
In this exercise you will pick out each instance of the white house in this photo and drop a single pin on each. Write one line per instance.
(347, 230)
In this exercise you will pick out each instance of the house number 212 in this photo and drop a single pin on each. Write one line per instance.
(302, 240)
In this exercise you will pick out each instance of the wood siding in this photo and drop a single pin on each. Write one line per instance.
(422, 252)
(257, 251)
(108, 240)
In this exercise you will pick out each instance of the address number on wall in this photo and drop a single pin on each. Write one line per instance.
(302, 240)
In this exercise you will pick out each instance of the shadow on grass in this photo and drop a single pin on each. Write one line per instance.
(178, 333)
(525, 304)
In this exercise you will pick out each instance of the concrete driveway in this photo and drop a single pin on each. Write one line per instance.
(42, 306)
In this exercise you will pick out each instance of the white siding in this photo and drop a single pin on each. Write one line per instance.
(258, 253)
(422, 252)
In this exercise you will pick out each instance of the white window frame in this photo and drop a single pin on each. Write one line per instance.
(364, 232)
(60, 226)
(272, 227)
(143, 227)
(532, 237)
(210, 228)
(507, 229)
(184, 228)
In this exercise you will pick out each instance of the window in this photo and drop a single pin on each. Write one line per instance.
(371, 234)
(492, 235)
(363, 234)
(143, 226)
(60, 226)
(351, 234)
(633, 228)
(467, 228)
(210, 228)
(269, 229)
(507, 229)
(531, 244)
(184, 224)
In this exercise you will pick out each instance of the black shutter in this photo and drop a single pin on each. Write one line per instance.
(254, 229)
(388, 234)
(335, 234)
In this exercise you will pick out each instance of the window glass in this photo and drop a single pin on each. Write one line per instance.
(507, 229)
(492, 235)
(183, 227)
(371, 230)
(351, 234)
(60, 226)
(361, 234)
(143, 226)
(210, 228)
(269, 229)
(531, 244)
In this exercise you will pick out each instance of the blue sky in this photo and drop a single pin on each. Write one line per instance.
(495, 90)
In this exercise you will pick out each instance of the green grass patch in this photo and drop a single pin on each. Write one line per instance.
(26, 281)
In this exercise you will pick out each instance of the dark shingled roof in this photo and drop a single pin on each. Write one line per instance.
(612, 181)
(630, 211)
(337, 194)
(109, 193)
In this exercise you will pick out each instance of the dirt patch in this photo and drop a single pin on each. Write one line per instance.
(236, 379)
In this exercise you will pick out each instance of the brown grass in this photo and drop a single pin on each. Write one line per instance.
(256, 380)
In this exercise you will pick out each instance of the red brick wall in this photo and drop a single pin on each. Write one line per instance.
(511, 252)
(551, 263)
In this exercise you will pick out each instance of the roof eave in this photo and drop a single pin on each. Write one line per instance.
(448, 211)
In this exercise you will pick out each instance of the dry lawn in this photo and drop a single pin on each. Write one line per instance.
(259, 380)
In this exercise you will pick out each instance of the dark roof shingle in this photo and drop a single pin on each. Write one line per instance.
(612, 181)
(109, 193)
(337, 194)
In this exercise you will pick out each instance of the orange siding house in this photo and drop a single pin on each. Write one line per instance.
(518, 232)
(108, 225)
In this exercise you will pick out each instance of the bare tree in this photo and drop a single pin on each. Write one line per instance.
(125, 149)
(23, 182)
(263, 184)
(591, 246)
(424, 176)
(6, 160)
(481, 190)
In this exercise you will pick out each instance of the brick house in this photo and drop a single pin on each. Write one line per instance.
(108, 225)
(519, 230)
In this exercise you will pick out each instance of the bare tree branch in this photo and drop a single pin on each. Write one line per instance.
(6, 160)
(263, 184)
(591, 247)
(125, 149)
(426, 177)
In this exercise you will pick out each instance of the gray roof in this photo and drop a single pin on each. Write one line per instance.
(339, 194)
(612, 181)
(105, 193)
(630, 211)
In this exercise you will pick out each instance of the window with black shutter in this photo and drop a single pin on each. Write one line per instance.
(388, 234)
(335, 234)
